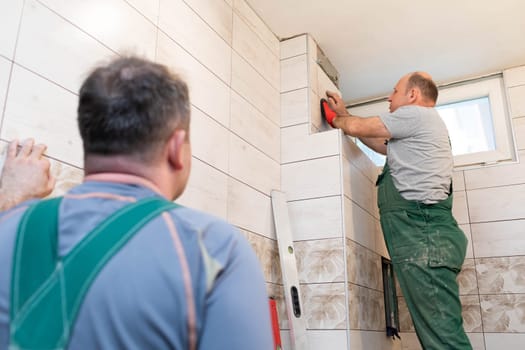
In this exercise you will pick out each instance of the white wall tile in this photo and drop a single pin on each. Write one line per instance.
(497, 203)
(312, 178)
(253, 167)
(229, 2)
(207, 190)
(502, 238)
(517, 101)
(316, 119)
(38, 108)
(380, 242)
(317, 218)
(500, 175)
(207, 91)
(458, 181)
(257, 25)
(247, 82)
(312, 48)
(324, 83)
(294, 46)
(507, 341)
(252, 49)
(254, 127)
(66, 57)
(466, 230)
(360, 226)
(294, 73)
(184, 26)
(320, 339)
(312, 77)
(111, 22)
(5, 71)
(299, 144)
(514, 76)
(459, 207)
(209, 140)
(359, 159)
(294, 107)
(10, 14)
(218, 15)
(148, 8)
(250, 209)
(519, 132)
(358, 187)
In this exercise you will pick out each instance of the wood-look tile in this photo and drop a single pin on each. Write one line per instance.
(209, 140)
(253, 167)
(214, 99)
(359, 188)
(248, 83)
(294, 107)
(320, 261)
(366, 308)
(183, 25)
(294, 46)
(497, 203)
(301, 180)
(10, 14)
(257, 25)
(501, 275)
(298, 144)
(324, 305)
(503, 313)
(206, 190)
(307, 224)
(119, 20)
(268, 254)
(516, 100)
(501, 175)
(66, 57)
(514, 76)
(294, 73)
(256, 217)
(519, 133)
(254, 127)
(501, 238)
(217, 14)
(40, 109)
(253, 50)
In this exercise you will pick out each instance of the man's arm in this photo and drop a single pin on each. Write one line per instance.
(377, 144)
(26, 174)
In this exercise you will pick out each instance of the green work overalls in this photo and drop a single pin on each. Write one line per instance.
(427, 249)
(47, 290)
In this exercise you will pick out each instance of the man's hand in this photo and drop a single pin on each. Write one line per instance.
(26, 174)
(336, 103)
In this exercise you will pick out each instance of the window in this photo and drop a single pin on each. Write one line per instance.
(475, 113)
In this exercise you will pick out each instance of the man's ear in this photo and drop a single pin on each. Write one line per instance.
(175, 152)
(413, 95)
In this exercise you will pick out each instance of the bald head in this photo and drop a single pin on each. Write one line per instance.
(423, 81)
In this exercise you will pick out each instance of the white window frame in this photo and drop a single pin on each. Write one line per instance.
(493, 88)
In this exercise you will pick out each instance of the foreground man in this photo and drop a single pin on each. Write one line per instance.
(425, 244)
(114, 264)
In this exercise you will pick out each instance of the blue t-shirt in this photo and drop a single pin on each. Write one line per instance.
(199, 271)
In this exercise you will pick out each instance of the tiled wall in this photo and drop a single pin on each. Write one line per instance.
(229, 57)
(489, 204)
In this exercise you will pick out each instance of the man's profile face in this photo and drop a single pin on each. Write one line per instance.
(399, 97)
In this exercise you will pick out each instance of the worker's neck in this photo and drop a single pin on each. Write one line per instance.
(126, 165)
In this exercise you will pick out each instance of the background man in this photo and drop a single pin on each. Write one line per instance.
(425, 244)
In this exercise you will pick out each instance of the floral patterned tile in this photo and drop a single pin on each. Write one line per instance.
(320, 261)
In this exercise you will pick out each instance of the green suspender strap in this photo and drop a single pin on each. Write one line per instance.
(47, 290)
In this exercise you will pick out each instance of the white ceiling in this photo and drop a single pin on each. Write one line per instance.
(372, 43)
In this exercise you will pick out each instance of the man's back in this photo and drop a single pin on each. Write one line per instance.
(184, 275)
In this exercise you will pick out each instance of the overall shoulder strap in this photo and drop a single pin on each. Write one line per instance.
(46, 298)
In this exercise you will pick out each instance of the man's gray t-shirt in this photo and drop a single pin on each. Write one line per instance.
(419, 153)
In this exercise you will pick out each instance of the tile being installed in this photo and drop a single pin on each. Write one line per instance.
(366, 308)
(363, 266)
